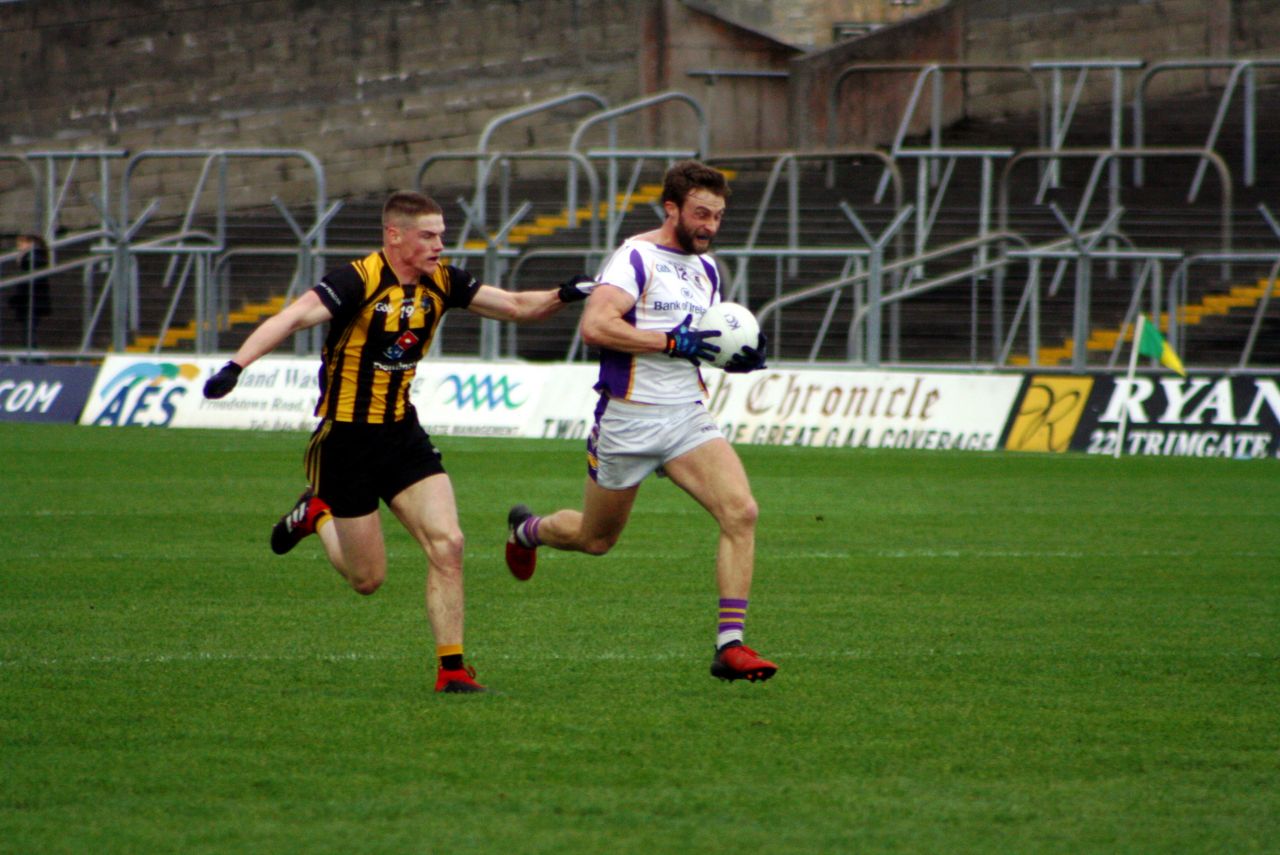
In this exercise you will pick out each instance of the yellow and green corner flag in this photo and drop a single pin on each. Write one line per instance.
(1152, 344)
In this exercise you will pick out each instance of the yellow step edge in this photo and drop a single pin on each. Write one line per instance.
(1239, 296)
(1227, 303)
(250, 313)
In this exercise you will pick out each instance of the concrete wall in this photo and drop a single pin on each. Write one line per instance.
(1021, 32)
(809, 23)
(371, 89)
(746, 113)
(870, 105)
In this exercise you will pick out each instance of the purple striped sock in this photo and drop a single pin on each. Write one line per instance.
(733, 614)
(527, 532)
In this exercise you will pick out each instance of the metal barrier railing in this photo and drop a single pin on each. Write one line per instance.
(476, 211)
(1246, 69)
(1178, 287)
(1061, 114)
(886, 274)
(610, 119)
(56, 191)
(1102, 156)
(927, 74)
(482, 147)
(865, 347)
(790, 163)
(195, 257)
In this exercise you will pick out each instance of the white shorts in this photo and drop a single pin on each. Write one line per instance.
(631, 441)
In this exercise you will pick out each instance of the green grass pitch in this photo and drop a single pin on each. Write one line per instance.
(978, 652)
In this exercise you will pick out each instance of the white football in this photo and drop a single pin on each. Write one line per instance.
(738, 329)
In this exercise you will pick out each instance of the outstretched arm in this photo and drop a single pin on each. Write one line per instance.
(301, 314)
(516, 306)
(521, 306)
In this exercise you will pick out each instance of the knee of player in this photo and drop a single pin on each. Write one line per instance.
(446, 549)
(367, 585)
(599, 545)
(741, 513)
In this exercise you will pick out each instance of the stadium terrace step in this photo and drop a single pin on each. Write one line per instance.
(175, 337)
(1210, 306)
(546, 225)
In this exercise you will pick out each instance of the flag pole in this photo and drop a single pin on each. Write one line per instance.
(1133, 367)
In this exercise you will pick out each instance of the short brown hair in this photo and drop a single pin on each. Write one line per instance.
(689, 175)
(408, 204)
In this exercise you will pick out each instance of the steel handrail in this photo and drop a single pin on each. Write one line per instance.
(477, 216)
(51, 206)
(924, 72)
(611, 116)
(704, 131)
(1182, 273)
(1239, 67)
(222, 154)
(1224, 175)
(524, 112)
(823, 288)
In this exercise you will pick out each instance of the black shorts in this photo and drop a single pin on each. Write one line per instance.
(352, 466)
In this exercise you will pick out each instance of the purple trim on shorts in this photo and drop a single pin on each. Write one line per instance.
(593, 438)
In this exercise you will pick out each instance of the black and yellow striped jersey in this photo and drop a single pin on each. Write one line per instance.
(379, 331)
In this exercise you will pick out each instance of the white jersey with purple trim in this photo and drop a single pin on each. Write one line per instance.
(667, 284)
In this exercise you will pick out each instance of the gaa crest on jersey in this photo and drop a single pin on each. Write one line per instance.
(406, 340)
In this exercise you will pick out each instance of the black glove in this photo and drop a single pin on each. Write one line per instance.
(571, 293)
(749, 358)
(223, 381)
(684, 342)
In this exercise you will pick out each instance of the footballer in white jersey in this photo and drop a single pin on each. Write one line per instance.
(667, 284)
(651, 417)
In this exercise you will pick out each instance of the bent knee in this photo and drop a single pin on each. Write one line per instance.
(598, 545)
(368, 585)
(445, 550)
(741, 515)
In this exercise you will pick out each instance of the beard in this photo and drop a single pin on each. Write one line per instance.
(687, 238)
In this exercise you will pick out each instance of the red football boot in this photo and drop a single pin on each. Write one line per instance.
(739, 662)
(458, 681)
(298, 523)
(521, 559)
